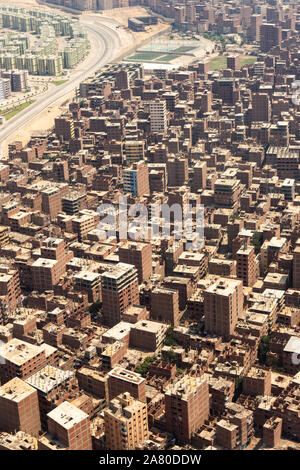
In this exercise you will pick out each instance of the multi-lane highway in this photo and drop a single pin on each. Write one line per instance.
(105, 46)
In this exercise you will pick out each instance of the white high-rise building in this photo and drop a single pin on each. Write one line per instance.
(158, 116)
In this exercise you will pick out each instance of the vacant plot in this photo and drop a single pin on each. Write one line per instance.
(144, 56)
(184, 49)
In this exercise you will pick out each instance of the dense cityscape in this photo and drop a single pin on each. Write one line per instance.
(150, 240)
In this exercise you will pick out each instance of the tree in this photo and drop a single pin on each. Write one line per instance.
(144, 367)
(257, 240)
(170, 341)
(263, 349)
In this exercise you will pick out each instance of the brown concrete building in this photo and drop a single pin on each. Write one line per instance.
(147, 335)
(270, 36)
(68, 425)
(247, 266)
(140, 255)
(126, 423)
(53, 386)
(19, 408)
(257, 382)
(22, 359)
(165, 305)
(119, 291)
(187, 407)
(223, 301)
(122, 380)
(272, 432)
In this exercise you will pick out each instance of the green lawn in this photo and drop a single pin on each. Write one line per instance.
(58, 82)
(168, 57)
(248, 60)
(16, 110)
(183, 49)
(218, 63)
(145, 56)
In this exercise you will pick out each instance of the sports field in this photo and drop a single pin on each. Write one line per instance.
(144, 56)
(168, 58)
(184, 49)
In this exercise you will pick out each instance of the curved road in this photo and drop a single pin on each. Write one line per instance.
(105, 45)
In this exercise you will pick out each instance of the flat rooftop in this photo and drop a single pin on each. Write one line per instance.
(185, 387)
(118, 271)
(150, 326)
(126, 375)
(67, 415)
(19, 352)
(16, 390)
(118, 331)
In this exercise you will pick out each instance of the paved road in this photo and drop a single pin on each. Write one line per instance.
(105, 45)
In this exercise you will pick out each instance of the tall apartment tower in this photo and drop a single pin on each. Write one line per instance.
(261, 107)
(19, 80)
(247, 268)
(134, 150)
(120, 289)
(233, 62)
(122, 80)
(255, 24)
(126, 423)
(178, 171)
(19, 408)
(158, 116)
(199, 177)
(140, 255)
(165, 305)
(51, 201)
(136, 179)
(270, 36)
(68, 425)
(5, 88)
(64, 128)
(223, 301)
(187, 407)
(296, 268)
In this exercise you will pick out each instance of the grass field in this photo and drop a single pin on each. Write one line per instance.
(145, 56)
(16, 110)
(58, 82)
(167, 58)
(247, 60)
(219, 63)
(184, 49)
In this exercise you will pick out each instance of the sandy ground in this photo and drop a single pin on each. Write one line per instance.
(42, 124)
(22, 3)
(257, 444)
(122, 14)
